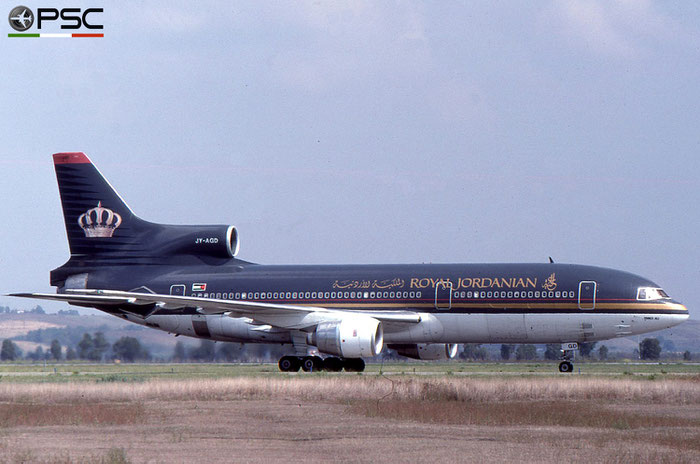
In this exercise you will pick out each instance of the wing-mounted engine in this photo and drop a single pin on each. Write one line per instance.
(214, 241)
(426, 351)
(350, 337)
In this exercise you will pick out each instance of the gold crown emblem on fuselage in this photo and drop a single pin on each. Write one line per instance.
(99, 222)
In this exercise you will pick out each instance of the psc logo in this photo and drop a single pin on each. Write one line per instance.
(22, 18)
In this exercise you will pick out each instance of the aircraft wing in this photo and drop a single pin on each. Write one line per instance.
(279, 315)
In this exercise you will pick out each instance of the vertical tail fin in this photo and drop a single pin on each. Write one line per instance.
(103, 231)
(98, 221)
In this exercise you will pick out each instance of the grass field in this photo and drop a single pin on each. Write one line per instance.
(442, 412)
(67, 372)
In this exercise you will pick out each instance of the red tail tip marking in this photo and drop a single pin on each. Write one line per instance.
(70, 158)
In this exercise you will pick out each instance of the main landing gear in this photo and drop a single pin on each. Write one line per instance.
(567, 353)
(317, 364)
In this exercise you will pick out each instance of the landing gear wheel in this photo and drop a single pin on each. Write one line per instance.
(354, 365)
(318, 363)
(566, 367)
(307, 364)
(289, 364)
(311, 363)
(333, 364)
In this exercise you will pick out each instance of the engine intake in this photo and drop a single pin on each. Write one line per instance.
(426, 351)
(349, 338)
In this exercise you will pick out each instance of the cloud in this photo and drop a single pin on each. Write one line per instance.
(613, 28)
(341, 43)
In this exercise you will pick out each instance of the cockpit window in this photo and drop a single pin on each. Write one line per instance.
(651, 293)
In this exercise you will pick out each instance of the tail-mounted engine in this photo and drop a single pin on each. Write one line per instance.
(215, 241)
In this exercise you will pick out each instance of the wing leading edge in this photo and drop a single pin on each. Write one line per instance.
(278, 315)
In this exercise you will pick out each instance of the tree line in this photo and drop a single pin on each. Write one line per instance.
(96, 348)
(648, 349)
(93, 347)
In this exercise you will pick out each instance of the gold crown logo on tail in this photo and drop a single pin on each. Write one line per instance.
(99, 222)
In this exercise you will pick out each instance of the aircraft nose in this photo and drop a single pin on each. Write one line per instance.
(678, 306)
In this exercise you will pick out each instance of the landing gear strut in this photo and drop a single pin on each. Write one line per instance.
(317, 364)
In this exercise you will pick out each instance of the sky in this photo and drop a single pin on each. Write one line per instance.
(370, 132)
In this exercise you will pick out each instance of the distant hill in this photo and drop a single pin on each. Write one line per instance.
(42, 328)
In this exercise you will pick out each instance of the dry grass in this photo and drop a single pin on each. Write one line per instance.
(354, 418)
(350, 388)
(113, 456)
(285, 430)
(33, 414)
(539, 413)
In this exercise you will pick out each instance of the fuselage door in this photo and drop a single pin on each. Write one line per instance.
(177, 290)
(443, 295)
(586, 294)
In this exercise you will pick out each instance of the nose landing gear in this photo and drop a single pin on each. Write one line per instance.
(566, 367)
(567, 353)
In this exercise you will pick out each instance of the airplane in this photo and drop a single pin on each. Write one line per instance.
(187, 280)
(24, 17)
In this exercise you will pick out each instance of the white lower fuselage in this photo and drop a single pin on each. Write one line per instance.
(442, 328)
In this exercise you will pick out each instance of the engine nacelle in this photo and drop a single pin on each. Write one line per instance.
(426, 351)
(350, 338)
(215, 241)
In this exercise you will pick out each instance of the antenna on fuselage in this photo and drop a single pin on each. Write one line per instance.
(551, 261)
